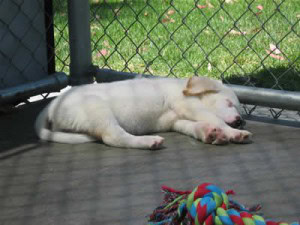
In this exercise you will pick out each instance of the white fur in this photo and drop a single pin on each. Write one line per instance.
(121, 113)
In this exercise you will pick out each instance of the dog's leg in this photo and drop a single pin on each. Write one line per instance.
(216, 132)
(201, 130)
(100, 123)
(116, 136)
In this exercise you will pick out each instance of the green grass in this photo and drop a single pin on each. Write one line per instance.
(135, 36)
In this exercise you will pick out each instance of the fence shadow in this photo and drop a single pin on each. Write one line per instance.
(276, 78)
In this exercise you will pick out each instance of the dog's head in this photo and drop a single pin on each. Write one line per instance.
(217, 98)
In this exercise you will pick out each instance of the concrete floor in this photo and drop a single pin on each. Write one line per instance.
(57, 184)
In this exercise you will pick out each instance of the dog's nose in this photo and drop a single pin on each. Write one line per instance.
(238, 122)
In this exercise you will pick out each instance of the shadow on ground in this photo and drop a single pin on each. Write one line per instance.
(281, 78)
(17, 131)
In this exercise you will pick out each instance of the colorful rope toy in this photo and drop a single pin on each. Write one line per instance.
(207, 204)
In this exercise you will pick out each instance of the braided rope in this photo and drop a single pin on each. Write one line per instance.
(207, 204)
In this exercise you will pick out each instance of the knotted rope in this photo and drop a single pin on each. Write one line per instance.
(207, 204)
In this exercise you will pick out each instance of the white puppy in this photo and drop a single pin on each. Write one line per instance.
(122, 113)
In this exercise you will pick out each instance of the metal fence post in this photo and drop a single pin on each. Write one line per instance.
(80, 42)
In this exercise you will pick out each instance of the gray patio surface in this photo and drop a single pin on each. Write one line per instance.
(60, 184)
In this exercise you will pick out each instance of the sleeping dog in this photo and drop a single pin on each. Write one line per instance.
(127, 113)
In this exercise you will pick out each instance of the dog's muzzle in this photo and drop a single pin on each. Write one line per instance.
(239, 123)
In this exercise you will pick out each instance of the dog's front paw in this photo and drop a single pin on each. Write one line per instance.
(213, 135)
(241, 136)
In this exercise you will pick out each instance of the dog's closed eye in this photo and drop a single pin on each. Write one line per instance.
(229, 103)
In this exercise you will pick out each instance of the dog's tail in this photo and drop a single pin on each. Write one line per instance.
(44, 133)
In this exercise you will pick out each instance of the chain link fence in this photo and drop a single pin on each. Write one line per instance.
(245, 42)
(61, 36)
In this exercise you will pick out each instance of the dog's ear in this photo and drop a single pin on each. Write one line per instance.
(200, 85)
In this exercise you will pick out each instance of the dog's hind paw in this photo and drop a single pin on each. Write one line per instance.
(155, 142)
